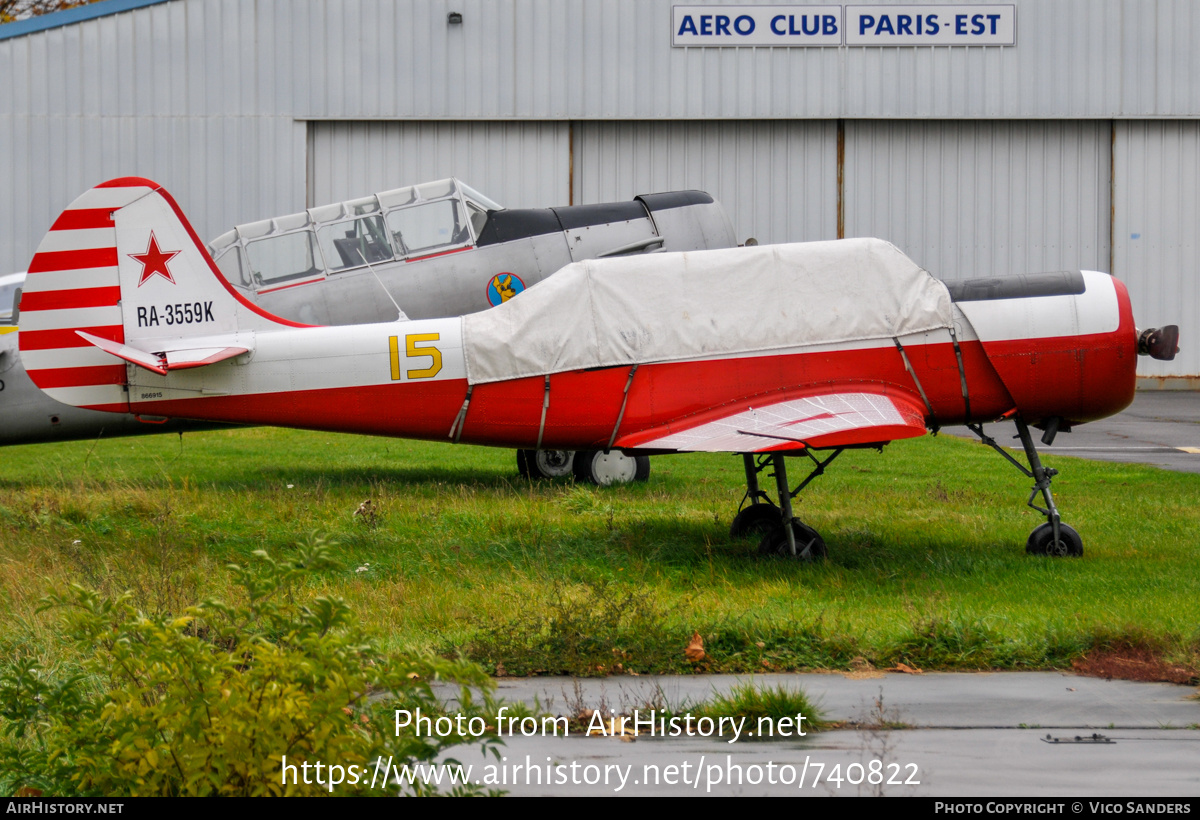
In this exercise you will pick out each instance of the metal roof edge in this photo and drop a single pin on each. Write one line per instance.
(68, 17)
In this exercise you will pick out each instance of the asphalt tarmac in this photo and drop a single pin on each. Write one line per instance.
(1160, 428)
(1003, 735)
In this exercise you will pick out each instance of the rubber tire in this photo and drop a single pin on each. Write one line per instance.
(545, 463)
(594, 467)
(775, 542)
(1070, 545)
(755, 521)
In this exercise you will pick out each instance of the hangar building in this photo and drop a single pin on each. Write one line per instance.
(982, 139)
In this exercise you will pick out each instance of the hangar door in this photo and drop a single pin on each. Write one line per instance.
(518, 164)
(983, 198)
(1156, 231)
(777, 179)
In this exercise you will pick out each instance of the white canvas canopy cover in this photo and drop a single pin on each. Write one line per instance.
(699, 304)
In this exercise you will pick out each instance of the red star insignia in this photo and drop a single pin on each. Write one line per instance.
(154, 262)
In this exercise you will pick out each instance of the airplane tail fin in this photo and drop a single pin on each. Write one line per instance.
(122, 279)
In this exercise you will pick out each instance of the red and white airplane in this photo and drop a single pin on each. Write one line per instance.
(771, 351)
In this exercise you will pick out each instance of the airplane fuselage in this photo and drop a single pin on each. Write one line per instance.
(409, 379)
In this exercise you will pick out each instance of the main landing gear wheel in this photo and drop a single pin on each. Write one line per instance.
(763, 518)
(545, 463)
(1041, 542)
(810, 546)
(756, 520)
(613, 467)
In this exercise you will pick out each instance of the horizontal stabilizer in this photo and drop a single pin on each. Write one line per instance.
(153, 363)
(160, 363)
(841, 419)
(198, 357)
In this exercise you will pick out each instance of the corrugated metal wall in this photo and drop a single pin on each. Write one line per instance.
(1156, 231)
(222, 170)
(591, 59)
(968, 199)
(161, 92)
(777, 180)
(518, 164)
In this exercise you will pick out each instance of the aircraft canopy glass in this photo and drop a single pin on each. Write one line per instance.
(403, 223)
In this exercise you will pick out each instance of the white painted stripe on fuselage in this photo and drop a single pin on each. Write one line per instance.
(89, 395)
(73, 279)
(78, 240)
(67, 357)
(319, 358)
(1038, 317)
(106, 316)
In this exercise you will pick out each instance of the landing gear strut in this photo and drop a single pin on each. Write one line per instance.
(781, 533)
(1054, 537)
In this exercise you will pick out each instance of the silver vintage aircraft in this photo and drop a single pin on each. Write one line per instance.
(425, 251)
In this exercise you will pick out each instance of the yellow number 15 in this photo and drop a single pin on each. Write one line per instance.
(412, 351)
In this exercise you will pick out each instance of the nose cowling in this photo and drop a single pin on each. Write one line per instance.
(1108, 364)
(1064, 345)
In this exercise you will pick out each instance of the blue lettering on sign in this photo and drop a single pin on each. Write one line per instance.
(882, 26)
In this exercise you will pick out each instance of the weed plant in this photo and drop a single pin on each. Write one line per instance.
(219, 699)
(764, 705)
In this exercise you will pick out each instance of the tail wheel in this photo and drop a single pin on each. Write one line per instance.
(810, 546)
(1041, 542)
(614, 467)
(545, 463)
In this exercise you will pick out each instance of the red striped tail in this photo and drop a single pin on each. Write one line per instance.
(123, 265)
(74, 284)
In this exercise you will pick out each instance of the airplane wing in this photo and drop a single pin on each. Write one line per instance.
(831, 419)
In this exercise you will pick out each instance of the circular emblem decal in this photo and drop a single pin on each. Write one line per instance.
(503, 286)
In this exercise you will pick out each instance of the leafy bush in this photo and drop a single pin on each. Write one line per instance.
(210, 701)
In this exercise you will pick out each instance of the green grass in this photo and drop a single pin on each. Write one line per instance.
(926, 544)
(765, 706)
